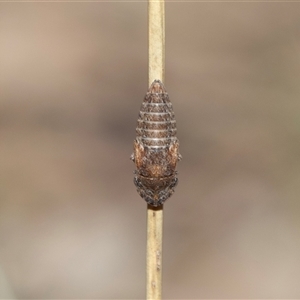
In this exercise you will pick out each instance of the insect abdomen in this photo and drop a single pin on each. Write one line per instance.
(156, 147)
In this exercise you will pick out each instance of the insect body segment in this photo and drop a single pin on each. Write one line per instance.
(156, 147)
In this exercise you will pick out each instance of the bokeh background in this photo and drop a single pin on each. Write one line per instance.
(73, 76)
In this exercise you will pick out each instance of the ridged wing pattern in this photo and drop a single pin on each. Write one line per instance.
(156, 147)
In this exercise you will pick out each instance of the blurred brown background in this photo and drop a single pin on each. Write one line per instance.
(73, 76)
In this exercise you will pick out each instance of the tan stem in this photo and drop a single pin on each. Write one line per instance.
(154, 252)
(156, 25)
(156, 40)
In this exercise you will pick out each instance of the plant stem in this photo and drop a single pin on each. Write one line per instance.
(154, 252)
(156, 40)
(156, 27)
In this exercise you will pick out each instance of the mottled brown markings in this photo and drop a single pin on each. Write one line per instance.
(156, 147)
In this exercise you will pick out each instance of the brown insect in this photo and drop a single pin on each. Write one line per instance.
(156, 147)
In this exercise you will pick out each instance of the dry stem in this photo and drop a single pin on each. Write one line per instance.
(156, 25)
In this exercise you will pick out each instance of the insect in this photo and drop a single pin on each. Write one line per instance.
(156, 147)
